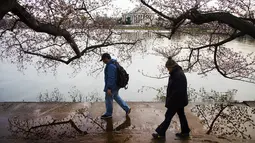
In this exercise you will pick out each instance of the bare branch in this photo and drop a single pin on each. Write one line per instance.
(5, 7)
(83, 7)
(199, 18)
(93, 121)
(222, 17)
(224, 74)
(215, 118)
(203, 115)
(53, 123)
(50, 57)
(87, 49)
(34, 24)
(161, 76)
(248, 19)
(158, 12)
(232, 37)
(10, 29)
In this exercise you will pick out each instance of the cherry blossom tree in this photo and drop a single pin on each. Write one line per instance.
(220, 22)
(73, 32)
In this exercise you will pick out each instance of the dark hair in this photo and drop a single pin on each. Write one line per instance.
(170, 62)
(105, 56)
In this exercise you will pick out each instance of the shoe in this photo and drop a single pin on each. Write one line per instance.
(182, 135)
(106, 116)
(128, 112)
(157, 136)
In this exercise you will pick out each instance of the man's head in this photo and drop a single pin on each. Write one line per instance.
(106, 58)
(170, 64)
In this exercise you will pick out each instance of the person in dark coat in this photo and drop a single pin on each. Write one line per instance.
(176, 100)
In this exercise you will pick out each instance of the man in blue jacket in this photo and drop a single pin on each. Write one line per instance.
(111, 89)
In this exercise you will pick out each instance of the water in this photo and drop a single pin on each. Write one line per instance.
(26, 86)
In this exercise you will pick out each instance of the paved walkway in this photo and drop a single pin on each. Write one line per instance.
(80, 122)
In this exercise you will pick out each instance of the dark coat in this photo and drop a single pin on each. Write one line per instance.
(177, 89)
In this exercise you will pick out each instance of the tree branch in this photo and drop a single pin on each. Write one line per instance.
(31, 22)
(199, 18)
(5, 7)
(203, 115)
(88, 49)
(237, 129)
(216, 63)
(158, 12)
(216, 117)
(232, 37)
(223, 17)
(156, 77)
(50, 57)
(83, 7)
(248, 19)
(54, 123)
(92, 121)
(10, 29)
(224, 74)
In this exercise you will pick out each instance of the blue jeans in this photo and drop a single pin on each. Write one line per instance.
(109, 102)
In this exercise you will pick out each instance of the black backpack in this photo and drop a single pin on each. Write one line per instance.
(122, 76)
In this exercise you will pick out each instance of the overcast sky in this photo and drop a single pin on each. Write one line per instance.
(128, 5)
(123, 5)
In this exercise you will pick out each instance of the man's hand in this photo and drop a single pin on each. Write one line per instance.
(109, 92)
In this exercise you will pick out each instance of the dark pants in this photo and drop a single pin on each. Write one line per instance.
(161, 130)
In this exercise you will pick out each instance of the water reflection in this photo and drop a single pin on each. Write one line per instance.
(109, 129)
(67, 120)
(158, 141)
(109, 125)
(137, 35)
(12, 87)
(148, 35)
(246, 39)
(53, 126)
(125, 124)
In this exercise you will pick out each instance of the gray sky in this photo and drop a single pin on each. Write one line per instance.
(127, 5)
(123, 6)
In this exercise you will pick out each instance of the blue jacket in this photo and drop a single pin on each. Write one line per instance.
(110, 76)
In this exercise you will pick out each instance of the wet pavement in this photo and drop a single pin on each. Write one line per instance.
(80, 122)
